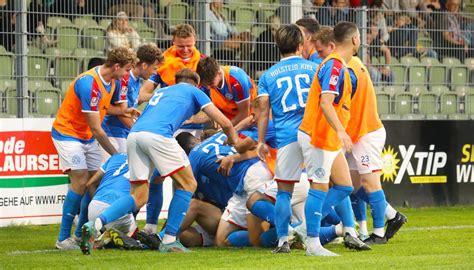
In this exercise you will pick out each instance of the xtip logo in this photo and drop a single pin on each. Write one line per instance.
(427, 165)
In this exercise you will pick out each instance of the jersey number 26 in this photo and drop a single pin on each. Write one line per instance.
(289, 87)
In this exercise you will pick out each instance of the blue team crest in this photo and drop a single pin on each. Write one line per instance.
(320, 173)
(76, 159)
(229, 96)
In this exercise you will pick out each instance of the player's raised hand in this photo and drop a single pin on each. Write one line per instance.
(226, 165)
(262, 151)
(346, 140)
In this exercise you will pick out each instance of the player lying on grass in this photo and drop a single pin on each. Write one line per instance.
(151, 144)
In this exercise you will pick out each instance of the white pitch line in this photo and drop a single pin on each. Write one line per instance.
(21, 252)
(438, 228)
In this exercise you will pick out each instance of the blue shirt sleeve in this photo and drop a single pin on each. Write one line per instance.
(156, 79)
(88, 93)
(262, 86)
(201, 98)
(330, 76)
(120, 94)
(194, 161)
(241, 84)
(353, 81)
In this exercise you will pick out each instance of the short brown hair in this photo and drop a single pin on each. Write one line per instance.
(184, 31)
(344, 31)
(149, 53)
(325, 35)
(288, 38)
(207, 69)
(310, 25)
(121, 56)
(187, 75)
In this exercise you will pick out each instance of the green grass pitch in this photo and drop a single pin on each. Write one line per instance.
(441, 238)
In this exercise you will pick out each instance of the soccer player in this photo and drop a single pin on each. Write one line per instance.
(118, 127)
(368, 136)
(285, 88)
(231, 89)
(323, 134)
(151, 144)
(77, 133)
(183, 54)
(309, 26)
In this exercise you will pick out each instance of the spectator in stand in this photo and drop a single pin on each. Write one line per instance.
(120, 34)
(318, 10)
(450, 40)
(341, 11)
(403, 36)
(377, 48)
(266, 53)
(224, 35)
(131, 7)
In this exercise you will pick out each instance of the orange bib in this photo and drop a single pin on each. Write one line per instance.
(70, 119)
(226, 106)
(174, 63)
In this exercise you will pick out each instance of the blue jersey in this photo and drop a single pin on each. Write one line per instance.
(111, 124)
(116, 180)
(314, 57)
(213, 192)
(169, 107)
(287, 84)
(203, 162)
(156, 79)
(239, 82)
(331, 83)
(270, 136)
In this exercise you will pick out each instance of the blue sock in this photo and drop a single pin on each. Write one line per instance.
(83, 215)
(362, 195)
(264, 210)
(155, 202)
(70, 208)
(269, 238)
(282, 212)
(377, 205)
(359, 207)
(327, 234)
(178, 208)
(312, 211)
(239, 239)
(331, 218)
(335, 196)
(344, 210)
(118, 209)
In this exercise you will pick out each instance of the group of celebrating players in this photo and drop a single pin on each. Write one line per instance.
(290, 162)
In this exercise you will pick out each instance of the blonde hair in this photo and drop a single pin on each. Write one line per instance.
(184, 31)
(121, 56)
(325, 35)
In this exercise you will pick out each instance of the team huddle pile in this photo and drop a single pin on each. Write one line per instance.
(279, 168)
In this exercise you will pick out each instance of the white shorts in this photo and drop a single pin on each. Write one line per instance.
(125, 224)
(74, 155)
(300, 190)
(366, 154)
(207, 239)
(257, 176)
(236, 211)
(318, 161)
(119, 143)
(147, 151)
(289, 163)
(195, 132)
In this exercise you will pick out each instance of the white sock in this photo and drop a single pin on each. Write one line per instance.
(363, 227)
(282, 240)
(390, 212)
(150, 228)
(351, 231)
(313, 243)
(379, 231)
(167, 239)
(339, 229)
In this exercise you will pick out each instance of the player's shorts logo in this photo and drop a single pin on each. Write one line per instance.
(76, 159)
(229, 96)
(320, 173)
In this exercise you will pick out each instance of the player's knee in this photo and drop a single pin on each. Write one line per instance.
(193, 206)
(222, 241)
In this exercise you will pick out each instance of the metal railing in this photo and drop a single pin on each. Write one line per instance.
(421, 63)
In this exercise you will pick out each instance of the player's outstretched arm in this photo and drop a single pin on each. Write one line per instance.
(216, 115)
(93, 120)
(243, 109)
(329, 112)
(262, 123)
(146, 92)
